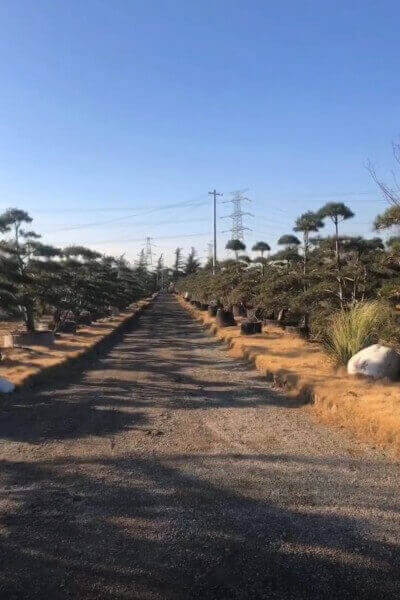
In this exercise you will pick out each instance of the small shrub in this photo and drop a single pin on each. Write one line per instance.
(351, 330)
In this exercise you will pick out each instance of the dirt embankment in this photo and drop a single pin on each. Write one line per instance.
(371, 410)
(29, 365)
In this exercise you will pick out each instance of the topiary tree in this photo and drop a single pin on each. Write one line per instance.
(307, 222)
(28, 267)
(261, 247)
(76, 289)
(291, 241)
(336, 212)
(236, 246)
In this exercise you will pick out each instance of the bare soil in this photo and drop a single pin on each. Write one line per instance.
(169, 470)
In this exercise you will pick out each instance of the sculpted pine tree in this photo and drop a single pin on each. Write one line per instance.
(76, 291)
(261, 247)
(28, 266)
(307, 222)
(336, 212)
(290, 241)
(236, 246)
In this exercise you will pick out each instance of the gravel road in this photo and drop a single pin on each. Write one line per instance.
(167, 470)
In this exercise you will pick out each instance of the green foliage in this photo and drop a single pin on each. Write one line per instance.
(389, 218)
(192, 264)
(393, 242)
(261, 247)
(307, 222)
(336, 211)
(178, 265)
(326, 276)
(356, 328)
(37, 278)
(288, 240)
(236, 246)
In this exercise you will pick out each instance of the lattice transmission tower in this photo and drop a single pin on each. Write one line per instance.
(148, 252)
(238, 229)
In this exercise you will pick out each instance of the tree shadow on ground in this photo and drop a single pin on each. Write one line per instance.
(182, 526)
(187, 527)
(137, 370)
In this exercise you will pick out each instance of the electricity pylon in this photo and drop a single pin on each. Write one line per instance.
(238, 229)
(148, 251)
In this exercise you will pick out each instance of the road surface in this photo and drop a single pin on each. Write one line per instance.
(167, 470)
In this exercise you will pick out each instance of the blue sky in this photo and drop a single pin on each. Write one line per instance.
(117, 118)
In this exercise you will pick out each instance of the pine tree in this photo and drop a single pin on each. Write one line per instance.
(28, 266)
(192, 264)
(235, 246)
(178, 264)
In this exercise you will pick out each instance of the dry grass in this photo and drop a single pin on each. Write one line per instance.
(25, 365)
(351, 330)
(371, 410)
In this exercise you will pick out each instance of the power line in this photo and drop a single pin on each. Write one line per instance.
(187, 203)
(161, 237)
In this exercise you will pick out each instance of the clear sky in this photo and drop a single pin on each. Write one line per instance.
(118, 116)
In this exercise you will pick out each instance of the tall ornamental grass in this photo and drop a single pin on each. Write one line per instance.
(356, 328)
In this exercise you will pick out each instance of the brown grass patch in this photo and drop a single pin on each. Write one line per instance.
(369, 409)
(25, 366)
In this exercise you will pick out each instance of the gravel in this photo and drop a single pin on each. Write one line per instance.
(168, 470)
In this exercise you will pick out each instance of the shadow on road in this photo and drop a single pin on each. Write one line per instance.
(179, 525)
(155, 528)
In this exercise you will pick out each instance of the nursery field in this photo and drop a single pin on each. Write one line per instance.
(26, 364)
(369, 409)
(171, 470)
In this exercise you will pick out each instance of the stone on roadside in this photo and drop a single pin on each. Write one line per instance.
(375, 361)
(6, 386)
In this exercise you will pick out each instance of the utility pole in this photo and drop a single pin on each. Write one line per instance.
(210, 250)
(214, 193)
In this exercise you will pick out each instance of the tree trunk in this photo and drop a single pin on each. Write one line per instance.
(305, 256)
(337, 241)
(339, 276)
(30, 318)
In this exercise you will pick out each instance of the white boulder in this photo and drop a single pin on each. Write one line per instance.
(375, 361)
(6, 386)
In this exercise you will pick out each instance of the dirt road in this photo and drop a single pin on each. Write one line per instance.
(169, 471)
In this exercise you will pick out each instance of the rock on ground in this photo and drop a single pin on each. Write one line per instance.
(376, 361)
(6, 386)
